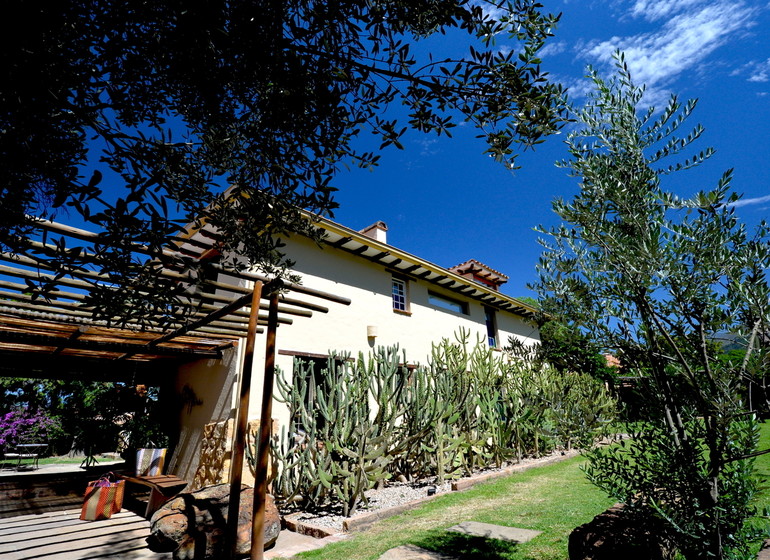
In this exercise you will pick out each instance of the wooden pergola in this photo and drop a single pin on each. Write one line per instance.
(57, 327)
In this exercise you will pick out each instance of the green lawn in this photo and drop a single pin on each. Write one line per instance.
(59, 460)
(554, 499)
(762, 468)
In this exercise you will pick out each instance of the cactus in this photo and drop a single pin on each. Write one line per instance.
(356, 423)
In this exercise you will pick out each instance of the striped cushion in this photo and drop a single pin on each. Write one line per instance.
(150, 462)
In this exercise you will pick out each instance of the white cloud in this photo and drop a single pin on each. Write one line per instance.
(490, 9)
(428, 146)
(576, 88)
(692, 31)
(653, 10)
(754, 71)
(761, 72)
(751, 201)
(551, 49)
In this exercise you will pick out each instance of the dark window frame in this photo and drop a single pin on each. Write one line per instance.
(493, 333)
(447, 303)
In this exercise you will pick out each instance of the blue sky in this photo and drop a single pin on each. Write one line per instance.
(444, 201)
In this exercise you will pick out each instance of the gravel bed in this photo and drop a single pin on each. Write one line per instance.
(398, 493)
(394, 494)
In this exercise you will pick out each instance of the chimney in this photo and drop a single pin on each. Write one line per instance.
(377, 231)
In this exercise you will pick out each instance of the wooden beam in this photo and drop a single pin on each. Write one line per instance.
(282, 309)
(75, 335)
(37, 262)
(340, 242)
(79, 343)
(43, 305)
(221, 312)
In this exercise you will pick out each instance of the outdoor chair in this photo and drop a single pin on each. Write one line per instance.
(149, 473)
(150, 462)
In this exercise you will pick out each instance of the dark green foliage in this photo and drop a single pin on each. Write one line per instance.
(566, 348)
(94, 417)
(171, 102)
(655, 278)
(646, 470)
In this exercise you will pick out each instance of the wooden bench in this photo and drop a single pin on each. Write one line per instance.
(163, 487)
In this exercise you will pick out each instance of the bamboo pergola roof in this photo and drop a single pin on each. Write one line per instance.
(60, 325)
(55, 323)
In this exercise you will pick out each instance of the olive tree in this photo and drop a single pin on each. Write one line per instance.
(656, 277)
(170, 103)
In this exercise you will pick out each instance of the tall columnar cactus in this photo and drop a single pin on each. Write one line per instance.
(342, 426)
(356, 423)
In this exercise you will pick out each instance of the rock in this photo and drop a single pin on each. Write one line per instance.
(619, 533)
(171, 532)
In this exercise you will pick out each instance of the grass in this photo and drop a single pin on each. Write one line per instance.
(60, 460)
(56, 460)
(762, 468)
(554, 499)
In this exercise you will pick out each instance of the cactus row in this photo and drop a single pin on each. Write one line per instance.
(358, 423)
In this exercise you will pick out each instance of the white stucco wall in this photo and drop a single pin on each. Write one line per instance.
(212, 382)
(344, 328)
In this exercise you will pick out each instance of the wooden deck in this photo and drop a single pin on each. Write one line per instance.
(63, 536)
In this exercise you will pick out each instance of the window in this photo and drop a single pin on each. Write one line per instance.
(447, 303)
(489, 317)
(312, 368)
(399, 293)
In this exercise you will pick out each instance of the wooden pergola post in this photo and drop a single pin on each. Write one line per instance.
(239, 437)
(265, 429)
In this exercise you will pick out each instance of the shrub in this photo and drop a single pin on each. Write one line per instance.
(23, 426)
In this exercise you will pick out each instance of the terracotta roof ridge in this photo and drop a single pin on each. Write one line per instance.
(481, 264)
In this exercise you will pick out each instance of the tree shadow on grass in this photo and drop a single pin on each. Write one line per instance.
(467, 547)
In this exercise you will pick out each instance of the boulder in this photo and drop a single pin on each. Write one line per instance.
(193, 524)
(620, 533)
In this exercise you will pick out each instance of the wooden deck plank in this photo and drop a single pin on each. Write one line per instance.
(63, 536)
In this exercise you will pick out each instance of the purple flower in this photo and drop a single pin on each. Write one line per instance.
(21, 425)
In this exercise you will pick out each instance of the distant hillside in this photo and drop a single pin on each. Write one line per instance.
(730, 341)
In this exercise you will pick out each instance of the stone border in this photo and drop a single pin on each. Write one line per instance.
(363, 521)
(465, 483)
(293, 524)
